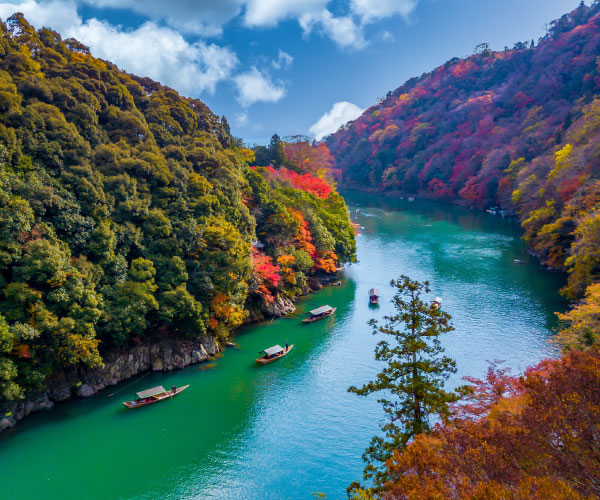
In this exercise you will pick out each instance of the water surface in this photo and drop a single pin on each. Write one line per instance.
(285, 430)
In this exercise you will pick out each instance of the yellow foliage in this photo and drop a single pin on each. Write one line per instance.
(561, 159)
(248, 155)
(582, 324)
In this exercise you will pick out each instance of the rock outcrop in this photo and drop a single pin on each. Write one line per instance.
(279, 307)
(156, 355)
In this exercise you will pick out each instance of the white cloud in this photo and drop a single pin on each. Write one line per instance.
(270, 12)
(342, 30)
(371, 10)
(253, 86)
(284, 60)
(338, 115)
(60, 15)
(313, 15)
(160, 53)
(205, 17)
(150, 50)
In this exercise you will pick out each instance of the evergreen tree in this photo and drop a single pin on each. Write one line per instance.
(414, 375)
(276, 152)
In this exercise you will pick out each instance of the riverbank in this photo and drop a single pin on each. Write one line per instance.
(150, 355)
(153, 354)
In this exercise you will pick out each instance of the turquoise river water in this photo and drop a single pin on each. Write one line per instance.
(288, 429)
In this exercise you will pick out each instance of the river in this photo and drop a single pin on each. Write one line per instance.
(288, 429)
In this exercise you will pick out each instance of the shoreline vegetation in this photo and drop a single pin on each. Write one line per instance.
(130, 216)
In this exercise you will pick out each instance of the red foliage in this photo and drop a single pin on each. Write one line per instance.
(266, 274)
(439, 189)
(305, 182)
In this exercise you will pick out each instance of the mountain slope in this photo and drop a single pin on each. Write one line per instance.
(126, 210)
(517, 128)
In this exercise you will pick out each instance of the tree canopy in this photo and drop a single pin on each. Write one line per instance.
(127, 210)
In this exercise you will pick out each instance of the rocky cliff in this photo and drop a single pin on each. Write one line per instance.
(163, 355)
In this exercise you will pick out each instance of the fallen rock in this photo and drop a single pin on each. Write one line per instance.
(85, 391)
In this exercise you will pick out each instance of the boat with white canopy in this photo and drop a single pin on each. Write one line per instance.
(319, 313)
(154, 395)
(271, 354)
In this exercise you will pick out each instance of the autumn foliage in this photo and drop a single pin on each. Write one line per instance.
(308, 158)
(532, 437)
(306, 182)
(266, 275)
(517, 129)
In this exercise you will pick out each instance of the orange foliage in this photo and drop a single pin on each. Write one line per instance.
(23, 351)
(326, 262)
(303, 237)
(313, 159)
(533, 437)
(285, 262)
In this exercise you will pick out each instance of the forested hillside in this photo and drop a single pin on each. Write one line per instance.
(519, 129)
(128, 210)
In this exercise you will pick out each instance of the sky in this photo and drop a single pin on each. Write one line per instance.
(288, 66)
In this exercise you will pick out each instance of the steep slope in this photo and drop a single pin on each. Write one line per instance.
(127, 210)
(517, 128)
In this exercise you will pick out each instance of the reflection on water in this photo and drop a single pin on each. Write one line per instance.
(287, 429)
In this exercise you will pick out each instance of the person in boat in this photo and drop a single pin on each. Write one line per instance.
(174, 389)
(286, 346)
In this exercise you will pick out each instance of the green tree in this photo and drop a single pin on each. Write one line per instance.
(413, 378)
(133, 301)
(277, 155)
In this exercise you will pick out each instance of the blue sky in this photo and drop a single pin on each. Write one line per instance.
(288, 66)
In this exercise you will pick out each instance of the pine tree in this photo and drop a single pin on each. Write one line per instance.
(276, 151)
(413, 378)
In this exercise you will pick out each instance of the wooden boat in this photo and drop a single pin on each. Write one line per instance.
(273, 354)
(154, 395)
(320, 313)
(373, 296)
(437, 303)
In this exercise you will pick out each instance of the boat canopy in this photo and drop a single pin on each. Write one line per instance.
(374, 291)
(320, 310)
(273, 350)
(150, 392)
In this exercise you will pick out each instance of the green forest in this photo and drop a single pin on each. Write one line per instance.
(127, 210)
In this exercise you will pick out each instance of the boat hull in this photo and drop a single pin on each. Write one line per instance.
(263, 361)
(312, 320)
(137, 403)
